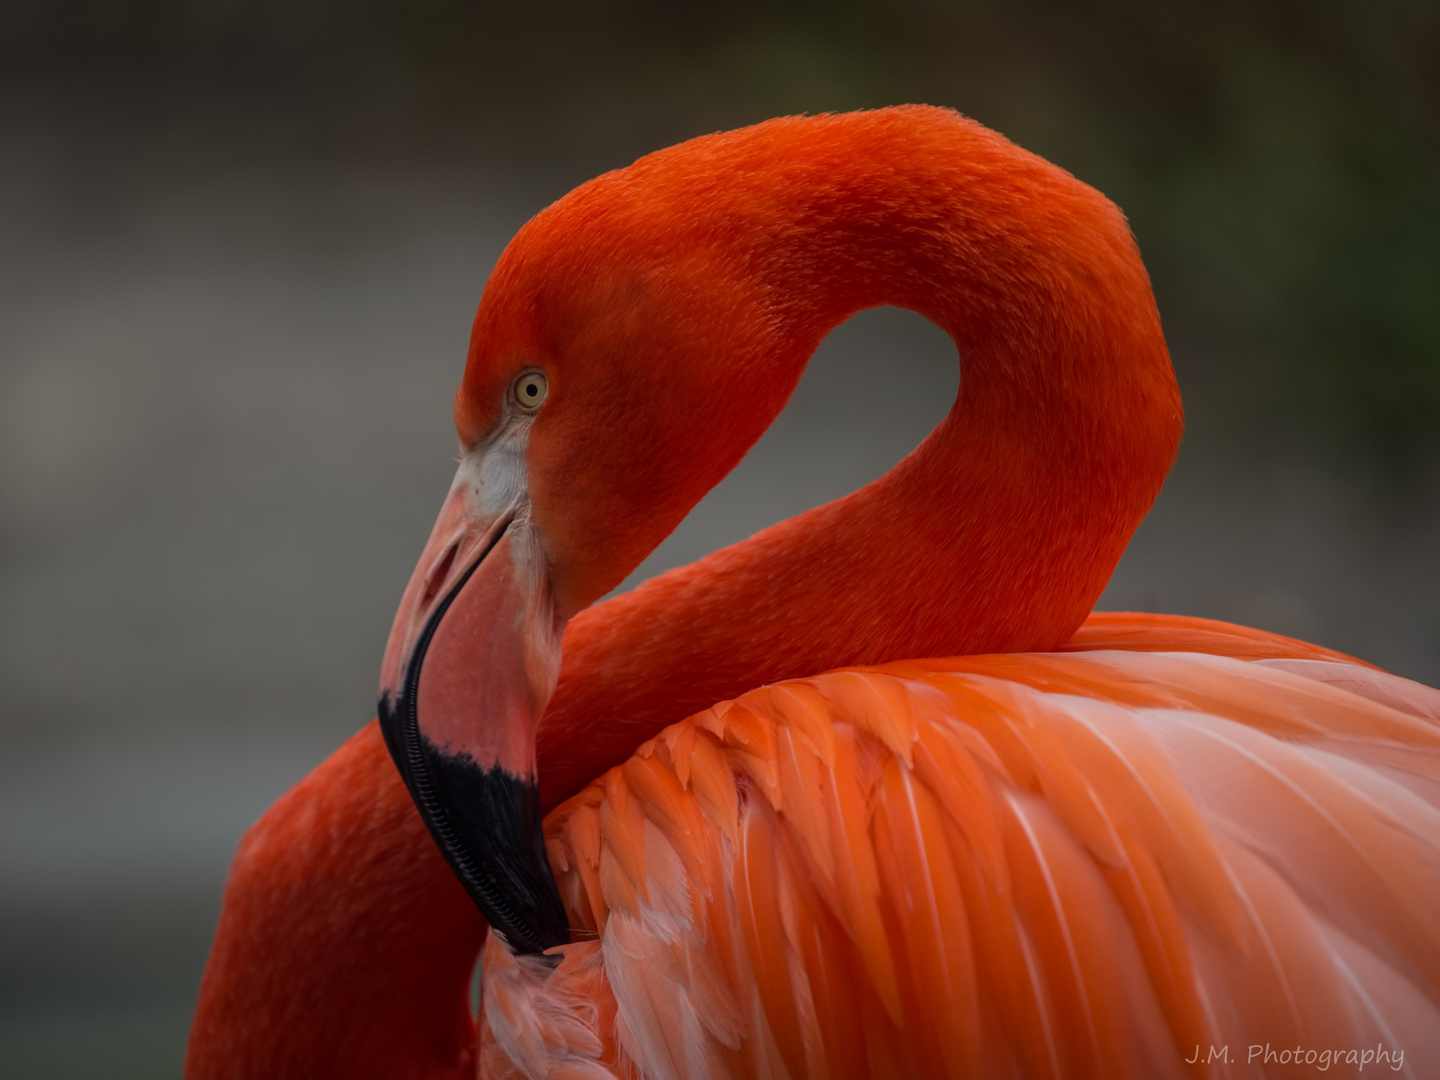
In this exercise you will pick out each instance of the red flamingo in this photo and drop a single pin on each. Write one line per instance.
(1115, 846)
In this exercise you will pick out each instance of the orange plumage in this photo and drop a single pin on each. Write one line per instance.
(1082, 863)
(1066, 850)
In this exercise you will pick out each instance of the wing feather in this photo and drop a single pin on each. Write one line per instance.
(1085, 863)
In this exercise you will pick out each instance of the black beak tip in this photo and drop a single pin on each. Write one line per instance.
(487, 824)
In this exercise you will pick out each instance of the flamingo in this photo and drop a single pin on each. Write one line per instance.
(928, 815)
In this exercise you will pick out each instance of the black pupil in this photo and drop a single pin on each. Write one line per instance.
(531, 389)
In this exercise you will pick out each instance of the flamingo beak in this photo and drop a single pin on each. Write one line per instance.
(470, 665)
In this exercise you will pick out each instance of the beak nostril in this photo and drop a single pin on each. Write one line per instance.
(438, 573)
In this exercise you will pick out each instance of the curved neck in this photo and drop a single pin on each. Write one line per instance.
(998, 533)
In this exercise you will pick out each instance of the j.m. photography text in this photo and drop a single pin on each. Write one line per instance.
(1320, 1060)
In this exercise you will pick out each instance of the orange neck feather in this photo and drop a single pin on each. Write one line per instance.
(345, 945)
(1000, 531)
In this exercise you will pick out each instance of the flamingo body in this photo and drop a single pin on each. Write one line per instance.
(1054, 848)
(1172, 834)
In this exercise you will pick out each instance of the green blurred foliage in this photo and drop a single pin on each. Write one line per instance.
(1280, 162)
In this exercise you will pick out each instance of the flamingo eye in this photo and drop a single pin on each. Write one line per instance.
(530, 389)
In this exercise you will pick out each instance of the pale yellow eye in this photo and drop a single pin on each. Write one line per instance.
(530, 389)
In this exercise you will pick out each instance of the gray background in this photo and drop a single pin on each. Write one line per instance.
(240, 247)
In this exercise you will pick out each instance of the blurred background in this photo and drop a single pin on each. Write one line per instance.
(240, 247)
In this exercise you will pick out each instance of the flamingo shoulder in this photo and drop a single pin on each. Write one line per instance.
(1172, 834)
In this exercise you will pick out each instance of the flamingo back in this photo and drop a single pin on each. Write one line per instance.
(1174, 836)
